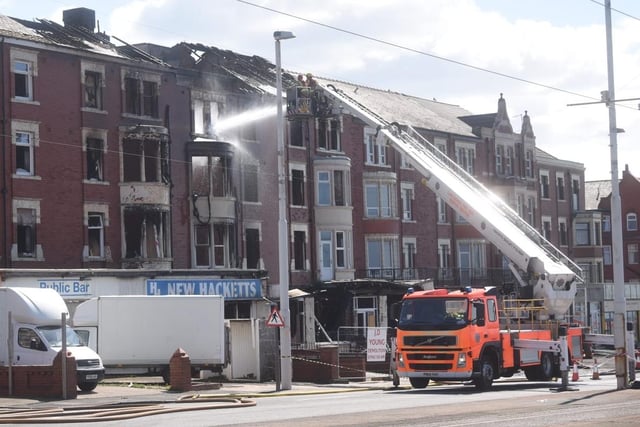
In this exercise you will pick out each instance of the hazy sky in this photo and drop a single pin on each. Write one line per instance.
(542, 54)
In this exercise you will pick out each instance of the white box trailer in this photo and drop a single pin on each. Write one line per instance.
(140, 333)
(34, 336)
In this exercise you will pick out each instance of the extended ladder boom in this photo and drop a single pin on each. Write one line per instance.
(551, 273)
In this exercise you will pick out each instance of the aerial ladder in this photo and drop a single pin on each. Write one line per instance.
(532, 259)
(549, 275)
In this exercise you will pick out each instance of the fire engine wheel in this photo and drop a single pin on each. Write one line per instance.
(419, 382)
(542, 372)
(487, 371)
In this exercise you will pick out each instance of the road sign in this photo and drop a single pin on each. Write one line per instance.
(275, 319)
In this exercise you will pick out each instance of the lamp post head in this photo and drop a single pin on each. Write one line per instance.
(283, 35)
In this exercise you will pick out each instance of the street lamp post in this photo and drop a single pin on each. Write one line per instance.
(283, 238)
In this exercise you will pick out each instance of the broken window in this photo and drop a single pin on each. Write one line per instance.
(95, 160)
(140, 97)
(200, 175)
(146, 232)
(26, 232)
(299, 250)
(145, 156)
(296, 133)
(95, 227)
(24, 153)
(329, 134)
(93, 90)
(210, 176)
(297, 187)
(250, 183)
(252, 247)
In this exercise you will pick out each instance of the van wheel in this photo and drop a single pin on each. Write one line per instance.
(87, 386)
(546, 368)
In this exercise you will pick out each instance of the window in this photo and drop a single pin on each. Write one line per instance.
(381, 256)
(202, 244)
(499, 157)
(409, 258)
(562, 230)
(141, 95)
(26, 233)
(407, 201)
(24, 142)
(252, 247)
(582, 234)
(329, 134)
(632, 222)
(28, 338)
(405, 163)
(508, 162)
(297, 132)
(444, 263)
(528, 164)
(250, 183)
(297, 187)
(95, 228)
(332, 188)
(471, 259)
(544, 184)
(606, 255)
(147, 231)
(341, 250)
(632, 253)
(95, 159)
(376, 148)
(546, 227)
(575, 193)
(465, 158)
(520, 206)
(560, 187)
(531, 210)
(606, 223)
(379, 200)
(206, 114)
(442, 211)
(299, 250)
(145, 157)
(93, 89)
(23, 80)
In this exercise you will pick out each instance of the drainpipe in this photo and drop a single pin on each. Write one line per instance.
(3, 190)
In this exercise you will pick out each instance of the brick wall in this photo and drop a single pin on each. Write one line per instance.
(40, 381)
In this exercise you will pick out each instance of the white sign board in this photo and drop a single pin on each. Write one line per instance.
(376, 344)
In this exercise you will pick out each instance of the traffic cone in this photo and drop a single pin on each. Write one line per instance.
(596, 373)
(576, 375)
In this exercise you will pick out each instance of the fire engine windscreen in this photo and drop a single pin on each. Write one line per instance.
(434, 314)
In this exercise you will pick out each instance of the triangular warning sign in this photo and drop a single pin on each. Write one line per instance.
(275, 319)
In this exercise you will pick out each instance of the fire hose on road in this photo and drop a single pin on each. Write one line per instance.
(119, 411)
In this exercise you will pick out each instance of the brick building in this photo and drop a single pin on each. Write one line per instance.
(130, 166)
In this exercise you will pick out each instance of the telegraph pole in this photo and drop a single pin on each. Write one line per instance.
(619, 323)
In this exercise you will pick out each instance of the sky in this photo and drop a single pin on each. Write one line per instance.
(541, 55)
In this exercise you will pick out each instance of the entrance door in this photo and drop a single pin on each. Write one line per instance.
(326, 258)
(244, 350)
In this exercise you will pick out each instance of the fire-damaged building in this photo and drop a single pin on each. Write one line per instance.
(144, 169)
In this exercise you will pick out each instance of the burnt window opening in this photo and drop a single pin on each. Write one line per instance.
(210, 175)
(214, 245)
(299, 250)
(146, 232)
(95, 228)
(296, 133)
(95, 159)
(23, 80)
(93, 90)
(140, 97)
(329, 134)
(26, 233)
(297, 187)
(145, 159)
(237, 310)
(252, 247)
(250, 183)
